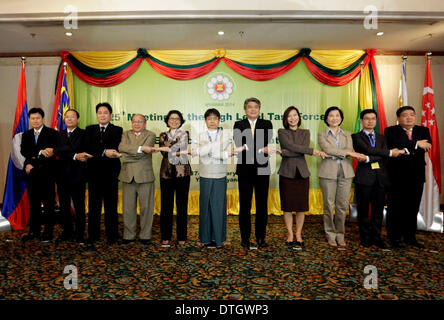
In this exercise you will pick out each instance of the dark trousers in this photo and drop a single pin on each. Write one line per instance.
(41, 190)
(374, 195)
(76, 192)
(246, 184)
(168, 187)
(403, 207)
(103, 190)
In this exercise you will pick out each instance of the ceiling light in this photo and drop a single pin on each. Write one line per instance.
(221, 33)
(380, 33)
(68, 34)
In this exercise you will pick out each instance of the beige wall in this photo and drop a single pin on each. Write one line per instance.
(41, 73)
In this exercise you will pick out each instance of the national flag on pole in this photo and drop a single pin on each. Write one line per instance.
(58, 113)
(15, 199)
(429, 208)
(402, 96)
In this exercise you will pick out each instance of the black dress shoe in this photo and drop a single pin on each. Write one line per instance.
(397, 244)
(29, 237)
(290, 243)
(261, 243)
(366, 244)
(80, 240)
(127, 241)
(210, 245)
(298, 244)
(245, 244)
(46, 237)
(415, 243)
(145, 242)
(111, 241)
(91, 241)
(380, 244)
(64, 237)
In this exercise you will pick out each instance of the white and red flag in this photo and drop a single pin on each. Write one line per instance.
(432, 218)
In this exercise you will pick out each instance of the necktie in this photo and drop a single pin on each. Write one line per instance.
(36, 134)
(409, 134)
(102, 132)
(252, 129)
(69, 134)
(372, 139)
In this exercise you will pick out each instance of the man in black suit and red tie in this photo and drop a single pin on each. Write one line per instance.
(102, 142)
(37, 147)
(251, 137)
(407, 177)
(371, 179)
(71, 176)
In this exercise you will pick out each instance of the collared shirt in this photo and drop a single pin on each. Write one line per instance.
(103, 126)
(70, 131)
(336, 137)
(411, 133)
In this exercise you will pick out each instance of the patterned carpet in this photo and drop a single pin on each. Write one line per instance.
(134, 271)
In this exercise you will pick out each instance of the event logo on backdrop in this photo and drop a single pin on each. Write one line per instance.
(219, 86)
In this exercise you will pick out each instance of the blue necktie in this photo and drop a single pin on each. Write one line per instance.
(372, 141)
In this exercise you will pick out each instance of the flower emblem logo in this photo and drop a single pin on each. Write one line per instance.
(220, 87)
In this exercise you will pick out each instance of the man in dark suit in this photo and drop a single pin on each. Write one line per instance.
(252, 136)
(407, 177)
(37, 147)
(71, 176)
(102, 142)
(371, 180)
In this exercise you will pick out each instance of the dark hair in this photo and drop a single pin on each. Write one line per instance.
(404, 108)
(367, 111)
(333, 108)
(167, 117)
(252, 99)
(285, 118)
(104, 104)
(36, 110)
(73, 110)
(210, 112)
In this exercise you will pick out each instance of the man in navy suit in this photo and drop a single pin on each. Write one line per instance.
(71, 176)
(102, 141)
(407, 177)
(37, 147)
(251, 136)
(371, 180)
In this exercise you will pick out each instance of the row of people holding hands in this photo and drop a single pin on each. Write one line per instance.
(103, 154)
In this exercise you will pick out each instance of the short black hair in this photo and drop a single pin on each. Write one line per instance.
(252, 99)
(404, 108)
(333, 108)
(104, 104)
(73, 110)
(285, 117)
(36, 110)
(212, 111)
(167, 117)
(367, 111)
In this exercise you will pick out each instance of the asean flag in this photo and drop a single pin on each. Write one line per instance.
(15, 200)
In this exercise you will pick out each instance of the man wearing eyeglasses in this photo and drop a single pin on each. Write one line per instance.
(137, 178)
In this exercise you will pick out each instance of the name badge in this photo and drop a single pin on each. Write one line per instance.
(375, 165)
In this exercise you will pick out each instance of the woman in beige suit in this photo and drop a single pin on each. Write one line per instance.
(293, 174)
(335, 174)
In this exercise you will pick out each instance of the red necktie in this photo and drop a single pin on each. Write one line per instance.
(409, 134)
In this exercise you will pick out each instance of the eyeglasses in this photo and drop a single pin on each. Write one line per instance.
(138, 121)
(174, 119)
